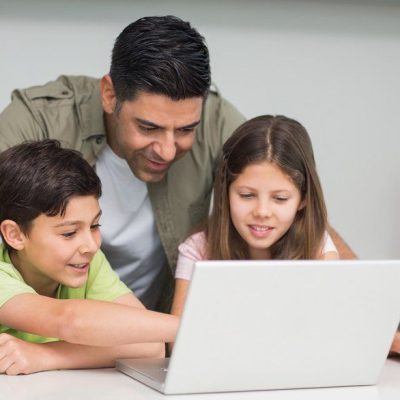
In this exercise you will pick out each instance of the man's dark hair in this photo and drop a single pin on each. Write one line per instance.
(40, 178)
(161, 55)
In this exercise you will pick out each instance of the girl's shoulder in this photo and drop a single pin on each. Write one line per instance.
(328, 248)
(194, 246)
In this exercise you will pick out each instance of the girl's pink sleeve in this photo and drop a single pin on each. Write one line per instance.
(191, 250)
(328, 244)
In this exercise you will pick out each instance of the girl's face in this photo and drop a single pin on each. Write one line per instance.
(263, 204)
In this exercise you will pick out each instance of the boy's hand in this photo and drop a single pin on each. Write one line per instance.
(20, 357)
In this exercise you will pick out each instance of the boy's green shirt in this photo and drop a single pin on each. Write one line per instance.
(102, 284)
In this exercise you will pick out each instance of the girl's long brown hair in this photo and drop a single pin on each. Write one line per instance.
(284, 142)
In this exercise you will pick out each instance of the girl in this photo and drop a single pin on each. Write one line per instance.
(268, 202)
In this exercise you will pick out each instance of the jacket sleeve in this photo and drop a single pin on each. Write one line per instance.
(18, 124)
(220, 119)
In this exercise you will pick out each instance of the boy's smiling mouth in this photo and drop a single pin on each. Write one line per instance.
(79, 266)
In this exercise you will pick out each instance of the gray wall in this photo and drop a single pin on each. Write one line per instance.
(333, 65)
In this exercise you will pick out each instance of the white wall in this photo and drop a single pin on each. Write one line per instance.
(333, 65)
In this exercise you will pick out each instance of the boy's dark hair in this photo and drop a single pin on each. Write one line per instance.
(161, 55)
(40, 178)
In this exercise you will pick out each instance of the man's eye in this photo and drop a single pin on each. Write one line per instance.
(147, 128)
(186, 131)
(68, 234)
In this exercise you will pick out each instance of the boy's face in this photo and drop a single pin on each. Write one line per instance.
(59, 249)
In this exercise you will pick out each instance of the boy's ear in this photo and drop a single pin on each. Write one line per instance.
(108, 98)
(12, 234)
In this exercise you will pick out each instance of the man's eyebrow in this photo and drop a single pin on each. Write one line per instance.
(148, 123)
(153, 125)
(69, 223)
(190, 126)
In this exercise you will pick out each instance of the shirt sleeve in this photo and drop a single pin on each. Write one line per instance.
(191, 250)
(103, 282)
(10, 284)
(328, 246)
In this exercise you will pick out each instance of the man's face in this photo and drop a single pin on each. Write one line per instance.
(153, 131)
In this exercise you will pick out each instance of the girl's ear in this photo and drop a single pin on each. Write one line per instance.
(108, 98)
(12, 234)
(301, 205)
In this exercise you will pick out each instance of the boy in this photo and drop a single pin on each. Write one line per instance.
(61, 304)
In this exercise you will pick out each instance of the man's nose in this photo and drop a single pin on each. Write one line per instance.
(165, 147)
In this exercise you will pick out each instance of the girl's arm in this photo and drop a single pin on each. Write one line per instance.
(330, 255)
(345, 252)
(395, 348)
(328, 249)
(178, 303)
(191, 250)
(181, 287)
(87, 322)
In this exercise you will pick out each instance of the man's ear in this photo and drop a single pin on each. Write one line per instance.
(107, 92)
(12, 234)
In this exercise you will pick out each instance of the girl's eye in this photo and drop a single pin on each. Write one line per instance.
(68, 234)
(281, 199)
(94, 227)
(246, 195)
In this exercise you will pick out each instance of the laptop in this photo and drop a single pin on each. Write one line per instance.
(262, 325)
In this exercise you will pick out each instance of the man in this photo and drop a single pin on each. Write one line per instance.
(153, 129)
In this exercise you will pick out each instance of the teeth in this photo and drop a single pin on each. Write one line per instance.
(260, 228)
(78, 265)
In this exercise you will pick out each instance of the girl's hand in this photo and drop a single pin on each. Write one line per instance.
(20, 357)
(396, 343)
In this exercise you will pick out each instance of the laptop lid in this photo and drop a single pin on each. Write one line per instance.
(256, 325)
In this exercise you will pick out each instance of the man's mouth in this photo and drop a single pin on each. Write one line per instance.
(157, 165)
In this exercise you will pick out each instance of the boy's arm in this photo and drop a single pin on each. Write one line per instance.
(345, 253)
(87, 322)
(20, 357)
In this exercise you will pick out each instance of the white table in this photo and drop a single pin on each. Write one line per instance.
(110, 384)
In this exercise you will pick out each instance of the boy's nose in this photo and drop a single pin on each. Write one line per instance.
(89, 245)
